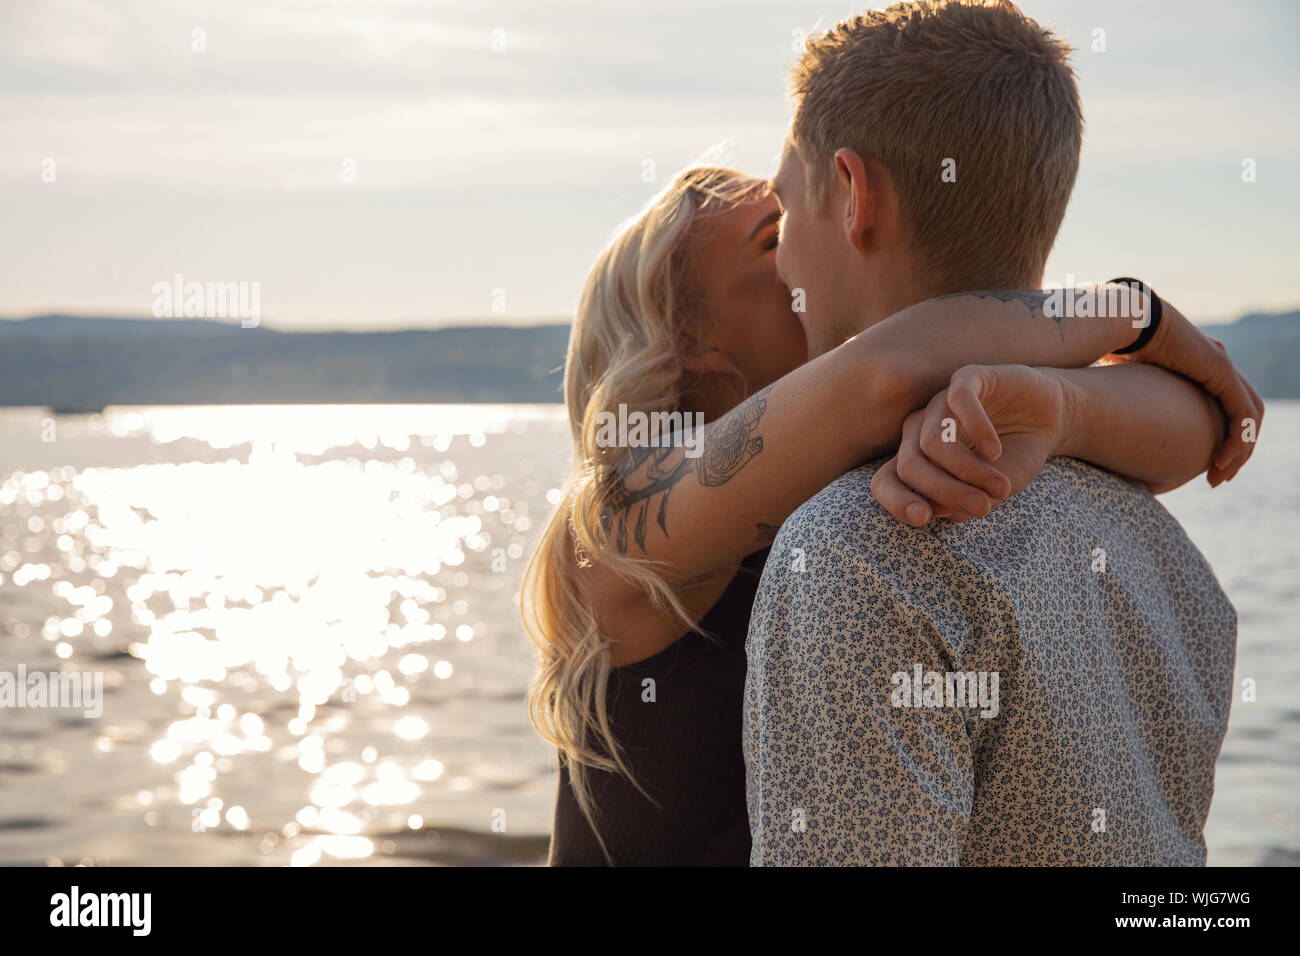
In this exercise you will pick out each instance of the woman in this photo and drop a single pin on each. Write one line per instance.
(639, 607)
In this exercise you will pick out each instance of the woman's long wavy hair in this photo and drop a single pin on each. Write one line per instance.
(637, 309)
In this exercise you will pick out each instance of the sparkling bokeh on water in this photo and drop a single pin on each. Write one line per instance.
(307, 622)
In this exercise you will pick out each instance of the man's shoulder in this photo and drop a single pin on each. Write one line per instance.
(845, 521)
(839, 513)
(850, 491)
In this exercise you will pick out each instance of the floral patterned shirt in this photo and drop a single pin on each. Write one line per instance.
(1046, 685)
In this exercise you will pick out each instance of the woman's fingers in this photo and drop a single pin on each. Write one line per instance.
(1259, 423)
(965, 466)
(1181, 347)
(1259, 402)
(965, 396)
(942, 444)
(896, 498)
(1243, 412)
(1188, 351)
(1237, 408)
(904, 503)
(935, 472)
(1240, 438)
(1213, 370)
(1250, 436)
(919, 473)
(948, 430)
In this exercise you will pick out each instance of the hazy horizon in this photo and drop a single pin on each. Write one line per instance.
(454, 322)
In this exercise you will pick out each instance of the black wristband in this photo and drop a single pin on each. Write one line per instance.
(1153, 320)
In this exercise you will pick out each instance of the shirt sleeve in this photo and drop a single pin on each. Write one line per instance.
(843, 767)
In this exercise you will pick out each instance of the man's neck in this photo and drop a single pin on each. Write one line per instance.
(890, 297)
(908, 290)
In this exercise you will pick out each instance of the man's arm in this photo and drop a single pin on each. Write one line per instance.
(842, 767)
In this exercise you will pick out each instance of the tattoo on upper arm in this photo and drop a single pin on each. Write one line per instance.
(732, 442)
(646, 473)
(767, 532)
(643, 474)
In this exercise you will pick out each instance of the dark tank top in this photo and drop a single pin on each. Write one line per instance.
(684, 748)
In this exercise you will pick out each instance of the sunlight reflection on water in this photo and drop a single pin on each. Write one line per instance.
(296, 586)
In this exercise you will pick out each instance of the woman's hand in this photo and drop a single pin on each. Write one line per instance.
(1012, 414)
(1181, 347)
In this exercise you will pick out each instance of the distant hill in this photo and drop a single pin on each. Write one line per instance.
(1266, 347)
(84, 362)
(62, 360)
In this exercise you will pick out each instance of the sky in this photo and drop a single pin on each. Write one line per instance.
(392, 163)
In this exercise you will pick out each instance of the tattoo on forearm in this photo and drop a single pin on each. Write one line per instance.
(646, 473)
(1031, 299)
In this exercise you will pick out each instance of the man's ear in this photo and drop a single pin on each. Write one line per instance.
(859, 178)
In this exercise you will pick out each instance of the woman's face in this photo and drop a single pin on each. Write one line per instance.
(748, 305)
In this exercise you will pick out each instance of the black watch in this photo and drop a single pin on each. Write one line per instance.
(1153, 322)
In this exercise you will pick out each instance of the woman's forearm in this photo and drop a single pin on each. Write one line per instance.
(778, 448)
(1141, 421)
(932, 339)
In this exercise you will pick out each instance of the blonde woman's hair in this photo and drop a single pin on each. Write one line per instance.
(637, 310)
(974, 90)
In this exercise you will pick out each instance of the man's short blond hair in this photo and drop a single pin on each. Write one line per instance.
(979, 90)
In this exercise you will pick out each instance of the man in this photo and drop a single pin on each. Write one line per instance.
(1046, 685)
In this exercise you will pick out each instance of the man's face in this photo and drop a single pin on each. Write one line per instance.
(810, 256)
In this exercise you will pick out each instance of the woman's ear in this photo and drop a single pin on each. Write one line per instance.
(699, 353)
(706, 361)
